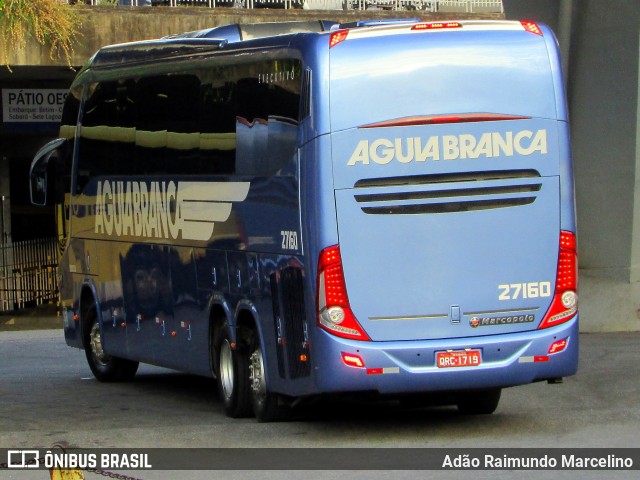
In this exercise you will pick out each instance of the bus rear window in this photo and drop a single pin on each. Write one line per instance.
(375, 79)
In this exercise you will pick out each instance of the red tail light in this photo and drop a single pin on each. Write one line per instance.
(338, 37)
(565, 300)
(441, 119)
(334, 312)
(531, 27)
(352, 360)
(557, 346)
(436, 25)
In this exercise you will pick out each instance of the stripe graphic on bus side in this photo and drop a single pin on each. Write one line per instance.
(188, 210)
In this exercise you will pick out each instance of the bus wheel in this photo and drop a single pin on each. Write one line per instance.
(480, 403)
(104, 367)
(232, 373)
(265, 404)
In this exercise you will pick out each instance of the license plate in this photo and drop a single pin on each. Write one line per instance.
(458, 358)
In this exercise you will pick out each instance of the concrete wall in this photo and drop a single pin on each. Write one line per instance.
(635, 245)
(604, 107)
(603, 88)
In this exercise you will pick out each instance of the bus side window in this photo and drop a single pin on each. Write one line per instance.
(183, 136)
(95, 147)
(107, 131)
(167, 137)
(251, 127)
(223, 121)
(217, 128)
(152, 111)
(62, 177)
(267, 118)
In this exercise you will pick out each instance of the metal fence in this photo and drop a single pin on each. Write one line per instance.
(470, 6)
(28, 273)
(453, 6)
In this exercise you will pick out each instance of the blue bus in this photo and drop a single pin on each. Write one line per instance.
(316, 208)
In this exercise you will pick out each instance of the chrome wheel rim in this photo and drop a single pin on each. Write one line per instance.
(256, 375)
(95, 341)
(226, 369)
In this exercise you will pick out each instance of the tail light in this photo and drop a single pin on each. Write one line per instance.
(565, 299)
(352, 360)
(337, 37)
(557, 346)
(531, 27)
(436, 25)
(334, 312)
(442, 119)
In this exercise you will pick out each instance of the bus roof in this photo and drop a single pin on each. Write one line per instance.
(238, 32)
(150, 50)
(207, 40)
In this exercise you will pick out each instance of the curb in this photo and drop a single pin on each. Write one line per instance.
(40, 318)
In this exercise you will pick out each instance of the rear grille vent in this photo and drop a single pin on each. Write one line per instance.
(382, 197)
(448, 193)
(446, 178)
(447, 207)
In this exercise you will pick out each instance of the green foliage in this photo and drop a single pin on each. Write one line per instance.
(49, 22)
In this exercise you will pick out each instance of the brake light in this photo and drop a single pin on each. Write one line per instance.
(531, 27)
(436, 25)
(337, 37)
(334, 312)
(352, 360)
(557, 346)
(442, 119)
(565, 299)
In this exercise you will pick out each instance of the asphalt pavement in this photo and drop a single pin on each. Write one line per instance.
(597, 408)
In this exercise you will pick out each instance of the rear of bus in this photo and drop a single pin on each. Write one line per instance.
(455, 264)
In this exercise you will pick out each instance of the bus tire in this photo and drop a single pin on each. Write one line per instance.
(105, 368)
(480, 403)
(232, 373)
(266, 405)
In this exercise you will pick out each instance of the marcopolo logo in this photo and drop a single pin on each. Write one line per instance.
(476, 322)
(449, 147)
(169, 210)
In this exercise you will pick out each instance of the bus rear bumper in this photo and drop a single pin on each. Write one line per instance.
(411, 366)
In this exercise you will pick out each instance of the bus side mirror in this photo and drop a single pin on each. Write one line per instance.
(38, 172)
